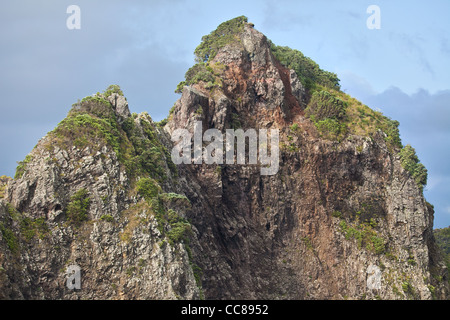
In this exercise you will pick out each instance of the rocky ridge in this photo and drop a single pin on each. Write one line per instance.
(341, 219)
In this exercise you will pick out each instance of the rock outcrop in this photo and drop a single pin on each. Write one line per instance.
(340, 219)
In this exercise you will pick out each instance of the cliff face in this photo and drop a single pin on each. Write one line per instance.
(340, 219)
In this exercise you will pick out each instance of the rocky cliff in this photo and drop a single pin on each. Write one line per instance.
(343, 217)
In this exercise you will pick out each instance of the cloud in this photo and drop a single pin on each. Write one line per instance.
(285, 15)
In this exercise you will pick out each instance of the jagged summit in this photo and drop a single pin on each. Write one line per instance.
(249, 81)
(344, 217)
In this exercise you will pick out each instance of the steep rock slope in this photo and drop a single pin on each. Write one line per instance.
(342, 217)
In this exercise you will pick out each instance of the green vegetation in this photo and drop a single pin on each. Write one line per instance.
(235, 122)
(365, 236)
(327, 111)
(307, 242)
(171, 198)
(432, 291)
(91, 123)
(148, 188)
(170, 223)
(337, 115)
(202, 72)
(77, 209)
(17, 228)
(226, 33)
(84, 130)
(22, 167)
(408, 289)
(199, 110)
(294, 127)
(390, 128)
(95, 104)
(411, 261)
(411, 163)
(334, 113)
(199, 72)
(325, 105)
(337, 214)
(30, 228)
(10, 238)
(107, 218)
(197, 271)
(114, 88)
(3, 182)
(147, 156)
(307, 70)
(205, 70)
(179, 228)
(443, 241)
(330, 129)
(6, 228)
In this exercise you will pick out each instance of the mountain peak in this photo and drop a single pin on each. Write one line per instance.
(105, 104)
(227, 33)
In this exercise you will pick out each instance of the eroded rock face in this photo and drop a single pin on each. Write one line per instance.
(339, 219)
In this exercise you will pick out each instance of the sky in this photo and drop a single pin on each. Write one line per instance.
(146, 46)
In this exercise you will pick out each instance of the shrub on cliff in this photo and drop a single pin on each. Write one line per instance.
(77, 209)
(22, 167)
(114, 88)
(307, 70)
(411, 163)
(199, 72)
(327, 112)
(226, 33)
(324, 105)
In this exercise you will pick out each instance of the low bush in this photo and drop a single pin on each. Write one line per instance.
(22, 166)
(307, 70)
(410, 162)
(77, 209)
(324, 105)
